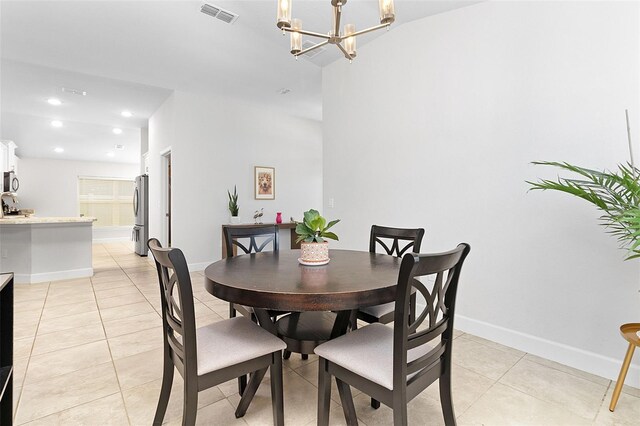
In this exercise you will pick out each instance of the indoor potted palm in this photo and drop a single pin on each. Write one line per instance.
(233, 206)
(616, 194)
(312, 232)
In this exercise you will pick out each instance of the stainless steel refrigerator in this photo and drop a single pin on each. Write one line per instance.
(140, 233)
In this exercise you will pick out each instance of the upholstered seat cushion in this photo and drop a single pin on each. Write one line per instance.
(233, 341)
(368, 352)
(378, 311)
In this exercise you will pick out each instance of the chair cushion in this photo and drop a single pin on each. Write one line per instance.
(231, 342)
(368, 352)
(378, 311)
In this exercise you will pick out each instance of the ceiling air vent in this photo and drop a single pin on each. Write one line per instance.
(219, 13)
(307, 44)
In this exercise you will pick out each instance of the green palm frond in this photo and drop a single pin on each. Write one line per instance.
(616, 194)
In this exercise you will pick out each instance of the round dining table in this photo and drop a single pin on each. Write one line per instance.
(276, 281)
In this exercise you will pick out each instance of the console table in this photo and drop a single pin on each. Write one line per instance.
(282, 227)
(6, 349)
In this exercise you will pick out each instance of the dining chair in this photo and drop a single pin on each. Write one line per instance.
(395, 242)
(250, 239)
(213, 354)
(395, 364)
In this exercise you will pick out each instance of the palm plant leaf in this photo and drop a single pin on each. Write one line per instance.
(616, 194)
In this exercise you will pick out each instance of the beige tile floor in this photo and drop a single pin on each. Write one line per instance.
(89, 352)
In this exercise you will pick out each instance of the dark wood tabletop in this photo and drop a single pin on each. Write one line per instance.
(351, 280)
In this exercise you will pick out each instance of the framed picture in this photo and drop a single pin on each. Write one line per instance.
(265, 183)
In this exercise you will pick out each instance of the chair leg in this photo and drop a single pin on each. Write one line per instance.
(622, 376)
(304, 356)
(375, 404)
(190, 403)
(446, 401)
(324, 393)
(250, 391)
(165, 390)
(400, 414)
(347, 403)
(232, 312)
(277, 398)
(286, 354)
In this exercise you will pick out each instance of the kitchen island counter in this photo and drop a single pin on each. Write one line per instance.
(40, 249)
(22, 220)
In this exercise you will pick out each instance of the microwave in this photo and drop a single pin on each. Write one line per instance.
(10, 182)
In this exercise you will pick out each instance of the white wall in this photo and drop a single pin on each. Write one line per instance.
(435, 125)
(215, 144)
(51, 188)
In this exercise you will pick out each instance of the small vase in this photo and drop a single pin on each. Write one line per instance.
(279, 217)
(234, 220)
(314, 253)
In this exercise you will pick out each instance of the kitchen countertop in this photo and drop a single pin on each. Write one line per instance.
(32, 220)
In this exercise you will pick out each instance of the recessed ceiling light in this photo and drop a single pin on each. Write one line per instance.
(58, 150)
(117, 131)
(78, 92)
(127, 114)
(110, 154)
(54, 101)
(56, 123)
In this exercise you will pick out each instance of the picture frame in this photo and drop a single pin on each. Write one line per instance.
(264, 179)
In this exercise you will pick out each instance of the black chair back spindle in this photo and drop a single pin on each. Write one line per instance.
(402, 239)
(235, 237)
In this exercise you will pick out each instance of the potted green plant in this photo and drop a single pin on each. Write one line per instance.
(616, 194)
(233, 206)
(312, 232)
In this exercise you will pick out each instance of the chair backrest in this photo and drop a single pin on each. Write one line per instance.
(416, 270)
(268, 233)
(410, 238)
(178, 317)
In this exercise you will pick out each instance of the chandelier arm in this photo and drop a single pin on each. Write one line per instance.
(309, 49)
(309, 33)
(346, 54)
(337, 14)
(368, 30)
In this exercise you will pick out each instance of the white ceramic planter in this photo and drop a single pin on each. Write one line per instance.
(234, 220)
(314, 253)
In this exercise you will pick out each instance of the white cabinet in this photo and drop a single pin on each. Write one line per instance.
(4, 152)
(8, 159)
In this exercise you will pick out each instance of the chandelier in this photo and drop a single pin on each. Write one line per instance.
(348, 36)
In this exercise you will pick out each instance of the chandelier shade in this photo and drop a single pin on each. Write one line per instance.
(345, 41)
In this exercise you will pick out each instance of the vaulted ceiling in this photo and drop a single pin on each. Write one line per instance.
(130, 55)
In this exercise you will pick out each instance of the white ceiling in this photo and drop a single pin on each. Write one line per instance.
(131, 54)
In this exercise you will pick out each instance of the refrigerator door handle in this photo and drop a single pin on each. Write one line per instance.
(135, 202)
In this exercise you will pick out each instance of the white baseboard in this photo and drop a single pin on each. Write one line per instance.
(564, 354)
(53, 276)
(111, 240)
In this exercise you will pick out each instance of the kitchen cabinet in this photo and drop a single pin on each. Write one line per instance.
(8, 159)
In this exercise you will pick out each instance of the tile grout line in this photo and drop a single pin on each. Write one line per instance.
(26, 369)
(113, 364)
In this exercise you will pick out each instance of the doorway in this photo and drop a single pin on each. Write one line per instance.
(166, 196)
